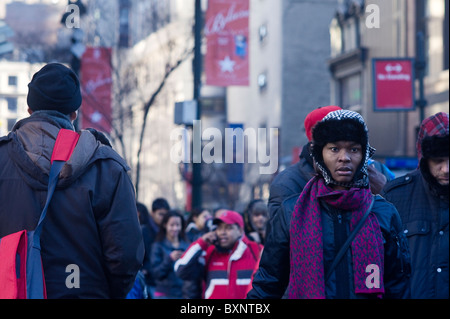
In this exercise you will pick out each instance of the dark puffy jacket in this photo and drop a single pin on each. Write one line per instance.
(425, 217)
(272, 277)
(168, 284)
(92, 219)
(290, 181)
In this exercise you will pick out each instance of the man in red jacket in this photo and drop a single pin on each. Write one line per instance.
(224, 258)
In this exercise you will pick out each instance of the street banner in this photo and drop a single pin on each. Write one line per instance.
(96, 82)
(393, 84)
(227, 39)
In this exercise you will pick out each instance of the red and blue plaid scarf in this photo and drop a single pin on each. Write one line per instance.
(306, 244)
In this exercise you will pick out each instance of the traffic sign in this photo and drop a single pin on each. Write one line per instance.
(393, 84)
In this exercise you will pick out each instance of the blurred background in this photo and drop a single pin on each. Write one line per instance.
(245, 63)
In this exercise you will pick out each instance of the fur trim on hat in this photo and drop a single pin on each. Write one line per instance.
(435, 146)
(338, 130)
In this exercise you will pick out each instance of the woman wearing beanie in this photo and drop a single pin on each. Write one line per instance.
(375, 263)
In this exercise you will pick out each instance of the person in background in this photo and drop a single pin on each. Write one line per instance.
(92, 220)
(168, 247)
(421, 198)
(143, 214)
(256, 216)
(224, 259)
(160, 207)
(329, 207)
(197, 223)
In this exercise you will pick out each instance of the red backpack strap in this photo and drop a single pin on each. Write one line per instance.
(64, 145)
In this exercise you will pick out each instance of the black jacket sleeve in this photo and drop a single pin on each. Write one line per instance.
(397, 261)
(272, 277)
(121, 235)
(191, 265)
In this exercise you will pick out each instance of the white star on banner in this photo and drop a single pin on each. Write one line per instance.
(227, 65)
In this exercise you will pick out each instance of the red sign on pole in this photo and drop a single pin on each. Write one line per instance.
(393, 84)
(227, 36)
(96, 84)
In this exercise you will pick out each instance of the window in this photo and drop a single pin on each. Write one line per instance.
(12, 80)
(335, 38)
(350, 88)
(12, 104)
(350, 33)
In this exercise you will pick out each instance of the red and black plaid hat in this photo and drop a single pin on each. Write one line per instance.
(432, 140)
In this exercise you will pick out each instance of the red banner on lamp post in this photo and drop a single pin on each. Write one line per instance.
(227, 36)
(96, 82)
(393, 84)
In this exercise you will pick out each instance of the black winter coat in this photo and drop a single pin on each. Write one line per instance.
(425, 217)
(92, 219)
(291, 181)
(272, 277)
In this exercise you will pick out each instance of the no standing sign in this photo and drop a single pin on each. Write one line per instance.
(393, 84)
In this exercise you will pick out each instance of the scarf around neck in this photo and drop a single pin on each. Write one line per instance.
(307, 280)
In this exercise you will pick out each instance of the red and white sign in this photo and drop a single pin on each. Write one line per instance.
(227, 36)
(393, 84)
(96, 82)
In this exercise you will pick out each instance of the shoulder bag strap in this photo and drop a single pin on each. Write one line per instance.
(64, 146)
(347, 243)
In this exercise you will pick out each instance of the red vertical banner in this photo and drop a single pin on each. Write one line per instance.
(96, 82)
(227, 36)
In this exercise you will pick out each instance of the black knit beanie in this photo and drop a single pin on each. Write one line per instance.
(54, 87)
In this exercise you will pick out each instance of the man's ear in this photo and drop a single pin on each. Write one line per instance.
(73, 115)
(30, 111)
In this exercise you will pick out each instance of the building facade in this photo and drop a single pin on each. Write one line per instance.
(14, 79)
(364, 30)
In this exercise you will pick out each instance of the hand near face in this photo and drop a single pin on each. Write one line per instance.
(377, 179)
(210, 237)
(176, 254)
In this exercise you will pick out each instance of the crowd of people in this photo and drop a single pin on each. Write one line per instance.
(337, 225)
(191, 256)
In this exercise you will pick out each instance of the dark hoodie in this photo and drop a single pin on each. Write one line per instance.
(92, 219)
(423, 205)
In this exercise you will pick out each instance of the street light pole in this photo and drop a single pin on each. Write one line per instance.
(197, 68)
(420, 70)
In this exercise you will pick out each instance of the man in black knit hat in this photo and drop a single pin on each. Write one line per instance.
(421, 198)
(91, 241)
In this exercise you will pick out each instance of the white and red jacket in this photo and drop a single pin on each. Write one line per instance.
(226, 275)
